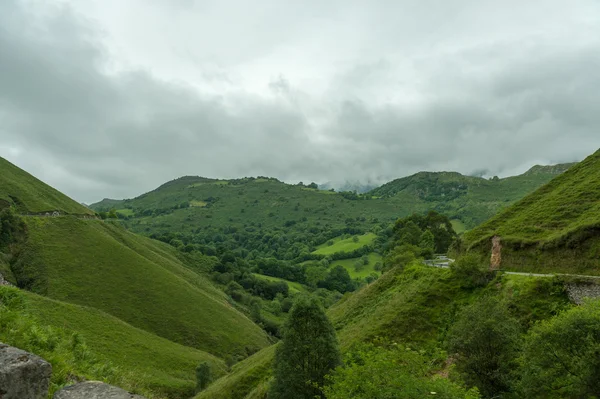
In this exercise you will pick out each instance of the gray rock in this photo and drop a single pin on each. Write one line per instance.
(23, 375)
(94, 390)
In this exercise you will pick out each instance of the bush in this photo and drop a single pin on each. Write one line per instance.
(394, 371)
(471, 271)
(561, 358)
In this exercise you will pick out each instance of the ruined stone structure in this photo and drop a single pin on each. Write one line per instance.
(496, 259)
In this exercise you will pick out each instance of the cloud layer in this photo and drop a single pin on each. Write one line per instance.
(109, 100)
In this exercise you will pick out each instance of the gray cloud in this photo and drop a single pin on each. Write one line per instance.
(327, 92)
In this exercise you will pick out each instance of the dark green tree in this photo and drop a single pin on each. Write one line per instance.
(486, 340)
(203, 377)
(561, 358)
(339, 280)
(427, 244)
(308, 353)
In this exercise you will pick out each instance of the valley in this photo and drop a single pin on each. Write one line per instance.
(206, 271)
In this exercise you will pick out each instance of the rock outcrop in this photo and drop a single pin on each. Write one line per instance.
(94, 390)
(3, 281)
(23, 375)
(496, 258)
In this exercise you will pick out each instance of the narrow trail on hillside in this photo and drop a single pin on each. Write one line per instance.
(445, 264)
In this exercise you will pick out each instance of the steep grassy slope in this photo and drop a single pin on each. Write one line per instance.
(28, 194)
(140, 281)
(414, 307)
(468, 199)
(557, 228)
(149, 363)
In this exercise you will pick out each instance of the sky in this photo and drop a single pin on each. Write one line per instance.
(111, 98)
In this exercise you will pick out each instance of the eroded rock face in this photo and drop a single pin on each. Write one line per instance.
(23, 375)
(496, 259)
(94, 390)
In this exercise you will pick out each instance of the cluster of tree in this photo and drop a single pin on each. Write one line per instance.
(558, 358)
(409, 230)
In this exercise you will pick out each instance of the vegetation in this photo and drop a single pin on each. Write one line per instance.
(485, 338)
(561, 358)
(138, 280)
(470, 200)
(29, 195)
(554, 229)
(83, 342)
(390, 371)
(308, 353)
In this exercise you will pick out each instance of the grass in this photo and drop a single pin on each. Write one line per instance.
(458, 226)
(138, 280)
(366, 271)
(125, 212)
(345, 244)
(28, 194)
(147, 363)
(293, 286)
(553, 229)
(244, 377)
(200, 204)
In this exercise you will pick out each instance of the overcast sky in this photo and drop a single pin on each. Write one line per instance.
(111, 98)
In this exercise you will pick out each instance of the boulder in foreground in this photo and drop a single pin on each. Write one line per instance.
(23, 375)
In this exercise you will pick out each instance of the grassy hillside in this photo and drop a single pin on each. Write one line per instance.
(339, 244)
(30, 195)
(415, 307)
(138, 280)
(556, 228)
(148, 363)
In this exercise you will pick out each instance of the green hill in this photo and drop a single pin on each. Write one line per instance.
(556, 228)
(468, 199)
(139, 303)
(154, 365)
(139, 280)
(30, 195)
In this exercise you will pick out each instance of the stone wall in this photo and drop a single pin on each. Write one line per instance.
(578, 292)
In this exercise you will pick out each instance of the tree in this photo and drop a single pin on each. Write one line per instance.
(471, 271)
(427, 244)
(338, 279)
(308, 353)
(486, 340)
(561, 357)
(203, 377)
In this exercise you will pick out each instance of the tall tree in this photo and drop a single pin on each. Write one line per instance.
(309, 351)
(486, 339)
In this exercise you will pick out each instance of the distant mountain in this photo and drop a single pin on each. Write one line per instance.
(556, 228)
(356, 186)
(469, 199)
(191, 204)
